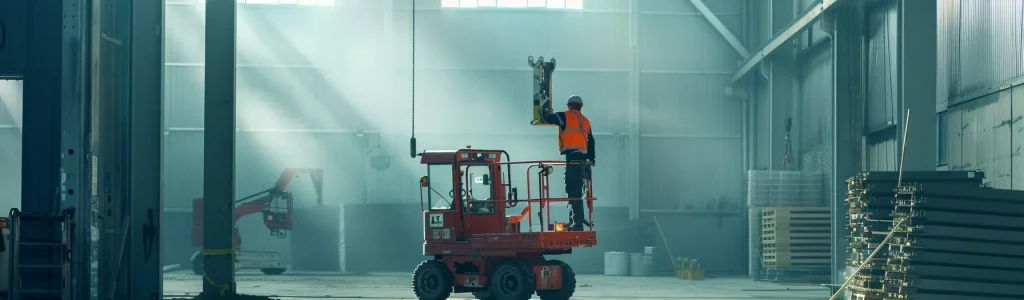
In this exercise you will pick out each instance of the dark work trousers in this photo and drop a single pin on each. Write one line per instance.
(574, 181)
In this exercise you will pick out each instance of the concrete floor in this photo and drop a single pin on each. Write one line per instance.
(398, 286)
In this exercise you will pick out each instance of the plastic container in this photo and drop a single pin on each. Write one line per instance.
(616, 264)
(640, 264)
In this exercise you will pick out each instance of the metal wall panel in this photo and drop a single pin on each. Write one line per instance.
(813, 124)
(948, 51)
(684, 44)
(882, 67)
(267, 98)
(693, 105)
(883, 155)
(692, 174)
(990, 43)
(1016, 138)
(956, 149)
(1001, 121)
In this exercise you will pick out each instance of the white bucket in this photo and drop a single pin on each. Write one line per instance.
(616, 264)
(640, 264)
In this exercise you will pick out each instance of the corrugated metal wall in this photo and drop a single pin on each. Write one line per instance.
(691, 145)
(883, 101)
(981, 56)
(691, 131)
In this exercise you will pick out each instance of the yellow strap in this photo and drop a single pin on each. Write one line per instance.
(224, 288)
(214, 252)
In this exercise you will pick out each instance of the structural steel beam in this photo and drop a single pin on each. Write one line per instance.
(847, 129)
(720, 27)
(791, 31)
(219, 150)
(76, 109)
(41, 154)
(145, 162)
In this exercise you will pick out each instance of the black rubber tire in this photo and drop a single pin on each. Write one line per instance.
(273, 271)
(568, 284)
(197, 265)
(432, 281)
(484, 295)
(512, 280)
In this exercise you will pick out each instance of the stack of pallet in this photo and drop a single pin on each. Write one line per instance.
(956, 243)
(796, 243)
(777, 188)
(871, 200)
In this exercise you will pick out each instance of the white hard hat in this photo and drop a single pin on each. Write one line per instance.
(574, 99)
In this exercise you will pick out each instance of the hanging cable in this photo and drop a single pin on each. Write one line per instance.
(412, 140)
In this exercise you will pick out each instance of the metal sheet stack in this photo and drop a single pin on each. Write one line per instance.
(774, 188)
(797, 244)
(956, 243)
(871, 201)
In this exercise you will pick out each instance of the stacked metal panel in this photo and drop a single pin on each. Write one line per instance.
(956, 243)
(773, 188)
(871, 200)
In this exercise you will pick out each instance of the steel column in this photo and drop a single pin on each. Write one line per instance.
(781, 83)
(145, 160)
(219, 149)
(41, 154)
(76, 175)
(918, 47)
(848, 82)
(633, 147)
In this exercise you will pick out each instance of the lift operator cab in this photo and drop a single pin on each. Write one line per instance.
(476, 246)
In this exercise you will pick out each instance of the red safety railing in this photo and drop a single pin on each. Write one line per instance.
(544, 199)
(543, 191)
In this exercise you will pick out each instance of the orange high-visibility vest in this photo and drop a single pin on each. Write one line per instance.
(575, 135)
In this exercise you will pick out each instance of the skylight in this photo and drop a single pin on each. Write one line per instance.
(552, 4)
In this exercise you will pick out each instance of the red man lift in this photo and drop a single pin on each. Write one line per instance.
(476, 246)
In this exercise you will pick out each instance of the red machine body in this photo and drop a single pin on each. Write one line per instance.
(478, 246)
(275, 204)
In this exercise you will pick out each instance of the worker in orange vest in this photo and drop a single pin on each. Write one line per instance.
(576, 142)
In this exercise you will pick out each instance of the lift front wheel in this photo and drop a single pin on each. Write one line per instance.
(512, 280)
(568, 284)
(432, 281)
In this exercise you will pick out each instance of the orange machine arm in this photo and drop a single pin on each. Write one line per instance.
(247, 206)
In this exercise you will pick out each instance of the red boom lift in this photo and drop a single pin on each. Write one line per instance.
(276, 205)
(476, 247)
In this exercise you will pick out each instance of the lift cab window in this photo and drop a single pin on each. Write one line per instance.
(473, 181)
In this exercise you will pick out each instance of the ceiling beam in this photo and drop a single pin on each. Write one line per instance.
(720, 27)
(789, 33)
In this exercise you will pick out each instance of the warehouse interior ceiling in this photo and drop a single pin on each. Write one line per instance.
(713, 121)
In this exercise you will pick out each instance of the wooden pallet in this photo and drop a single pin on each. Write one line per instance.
(796, 237)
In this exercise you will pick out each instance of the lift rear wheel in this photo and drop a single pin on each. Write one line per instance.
(512, 280)
(568, 284)
(432, 281)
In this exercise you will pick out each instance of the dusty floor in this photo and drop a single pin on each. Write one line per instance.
(397, 286)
